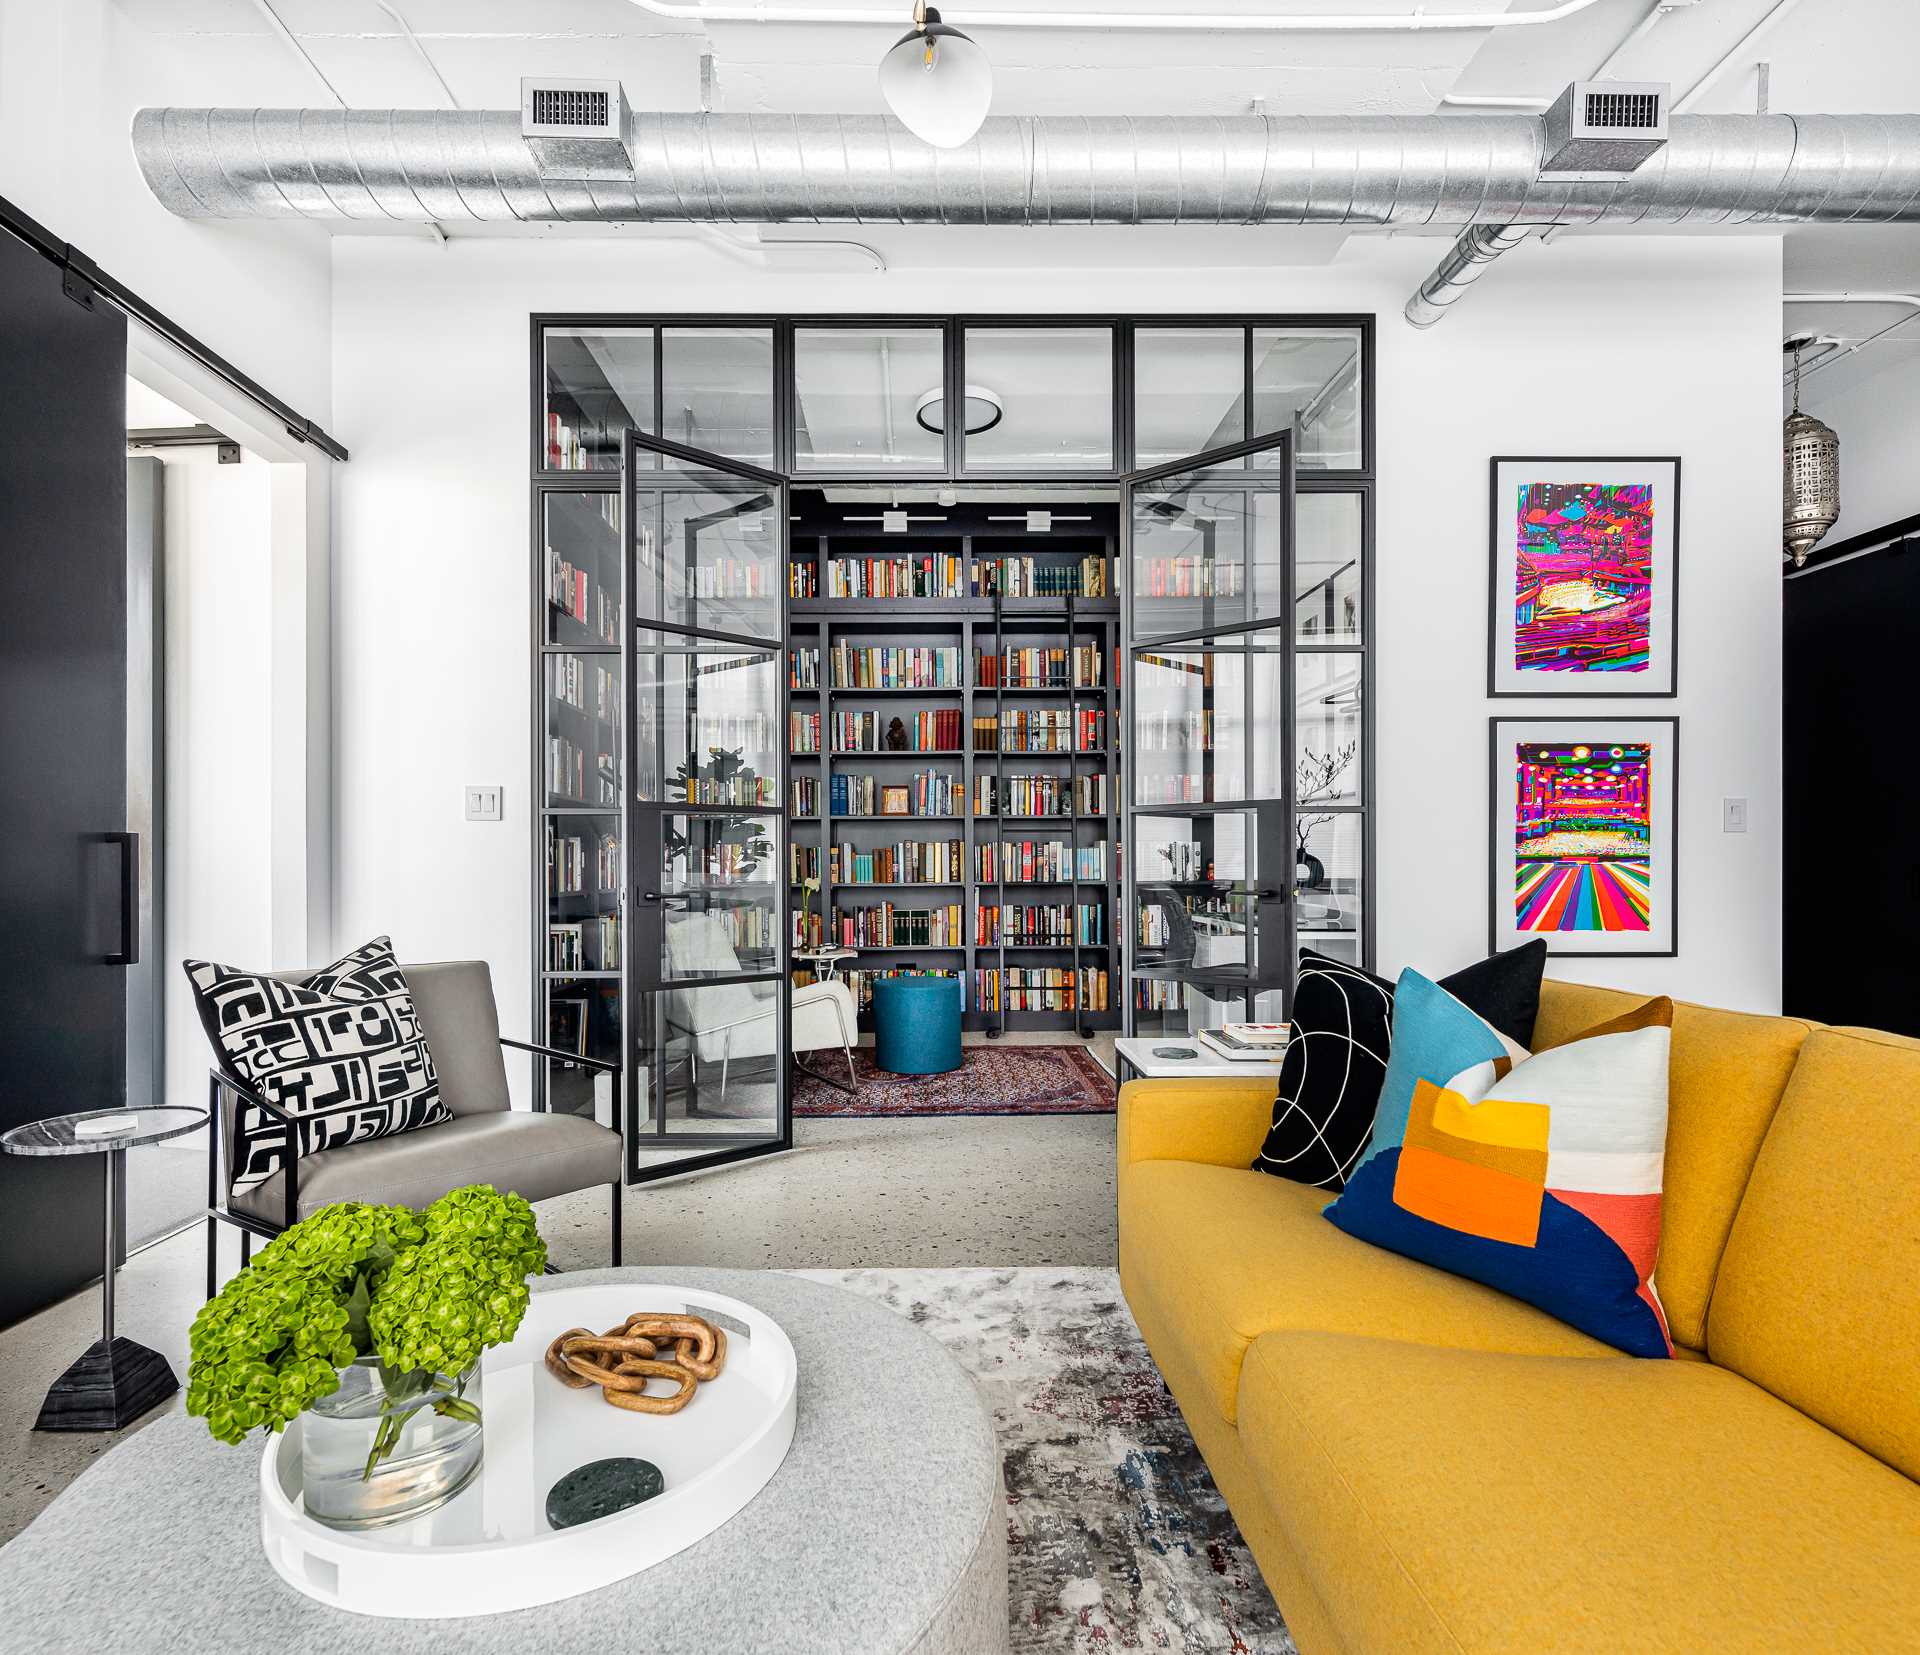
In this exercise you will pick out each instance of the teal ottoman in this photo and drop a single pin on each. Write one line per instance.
(916, 1025)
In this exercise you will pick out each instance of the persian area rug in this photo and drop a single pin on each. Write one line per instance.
(1117, 1537)
(991, 1080)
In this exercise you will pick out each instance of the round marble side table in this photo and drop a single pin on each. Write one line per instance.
(116, 1380)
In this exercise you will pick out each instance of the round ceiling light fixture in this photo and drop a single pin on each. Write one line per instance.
(980, 410)
(937, 80)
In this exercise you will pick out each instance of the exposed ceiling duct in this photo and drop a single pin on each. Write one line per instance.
(1408, 172)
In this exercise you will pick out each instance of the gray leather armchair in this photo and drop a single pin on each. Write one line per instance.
(533, 1153)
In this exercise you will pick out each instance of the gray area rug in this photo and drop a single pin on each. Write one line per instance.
(1118, 1539)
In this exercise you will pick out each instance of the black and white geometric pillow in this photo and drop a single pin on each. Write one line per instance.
(344, 1054)
(1337, 1054)
(1331, 1075)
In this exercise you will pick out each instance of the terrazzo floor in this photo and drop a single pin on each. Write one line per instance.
(852, 1194)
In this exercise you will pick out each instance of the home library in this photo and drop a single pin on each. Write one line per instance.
(960, 676)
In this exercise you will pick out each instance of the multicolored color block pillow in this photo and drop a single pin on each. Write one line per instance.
(1539, 1175)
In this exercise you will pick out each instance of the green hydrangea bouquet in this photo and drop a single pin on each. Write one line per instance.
(423, 1292)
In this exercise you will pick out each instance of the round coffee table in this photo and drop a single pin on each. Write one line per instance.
(115, 1380)
(883, 1532)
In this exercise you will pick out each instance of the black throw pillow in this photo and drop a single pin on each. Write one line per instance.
(1337, 1054)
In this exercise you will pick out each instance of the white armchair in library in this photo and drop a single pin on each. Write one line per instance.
(724, 1021)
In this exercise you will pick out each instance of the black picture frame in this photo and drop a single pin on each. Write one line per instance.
(1499, 847)
(1578, 686)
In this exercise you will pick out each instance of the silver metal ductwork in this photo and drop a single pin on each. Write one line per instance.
(448, 166)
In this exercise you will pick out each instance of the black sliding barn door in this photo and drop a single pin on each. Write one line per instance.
(1851, 892)
(63, 760)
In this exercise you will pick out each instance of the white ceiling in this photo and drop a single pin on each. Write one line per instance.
(1826, 55)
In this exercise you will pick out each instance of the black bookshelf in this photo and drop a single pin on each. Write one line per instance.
(979, 625)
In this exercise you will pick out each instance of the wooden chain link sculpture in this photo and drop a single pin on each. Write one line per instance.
(647, 1345)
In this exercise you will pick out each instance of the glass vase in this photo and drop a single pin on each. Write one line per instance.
(388, 1446)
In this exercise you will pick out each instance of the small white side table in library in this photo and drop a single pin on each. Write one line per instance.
(1140, 1058)
(824, 963)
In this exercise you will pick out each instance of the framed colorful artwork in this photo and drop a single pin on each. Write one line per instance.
(1583, 834)
(1583, 582)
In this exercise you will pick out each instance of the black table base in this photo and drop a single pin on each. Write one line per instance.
(109, 1387)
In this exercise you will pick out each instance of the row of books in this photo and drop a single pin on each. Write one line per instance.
(1218, 915)
(803, 732)
(1153, 994)
(1040, 988)
(572, 590)
(932, 575)
(571, 774)
(861, 981)
(923, 732)
(925, 793)
(910, 862)
(885, 926)
(1178, 859)
(727, 577)
(587, 686)
(749, 925)
(1183, 787)
(1039, 861)
(1169, 732)
(1039, 669)
(1041, 925)
(803, 796)
(594, 449)
(803, 669)
(803, 580)
(803, 863)
(1020, 576)
(585, 945)
(1040, 795)
(1187, 577)
(808, 929)
(743, 787)
(567, 870)
(1041, 730)
(882, 667)
(721, 862)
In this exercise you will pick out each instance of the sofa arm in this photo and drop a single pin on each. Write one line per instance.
(1220, 1123)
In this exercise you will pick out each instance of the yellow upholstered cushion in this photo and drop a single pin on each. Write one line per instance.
(1819, 1292)
(1727, 1072)
(1462, 1501)
(1217, 1121)
(1212, 1257)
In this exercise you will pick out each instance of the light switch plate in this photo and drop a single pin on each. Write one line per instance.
(483, 804)
(1733, 815)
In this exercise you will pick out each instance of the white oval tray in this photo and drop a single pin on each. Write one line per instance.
(490, 1549)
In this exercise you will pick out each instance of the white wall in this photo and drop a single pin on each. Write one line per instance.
(1601, 346)
(218, 727)
(71, 75)
(1873, 401)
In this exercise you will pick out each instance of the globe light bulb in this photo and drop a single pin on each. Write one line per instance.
(938, 81)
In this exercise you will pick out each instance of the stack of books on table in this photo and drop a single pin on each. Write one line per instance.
(1247, 1042)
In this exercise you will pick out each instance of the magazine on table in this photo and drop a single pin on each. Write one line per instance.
(1247, 1042)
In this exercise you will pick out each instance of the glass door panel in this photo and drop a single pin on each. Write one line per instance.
(1211, 744)
(867, 399)
(707, 968)
(1209, 914)
(1209, 545)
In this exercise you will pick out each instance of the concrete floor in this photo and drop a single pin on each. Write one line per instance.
(929, 1193)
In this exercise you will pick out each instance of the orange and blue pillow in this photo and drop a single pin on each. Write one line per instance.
(1537, 1175)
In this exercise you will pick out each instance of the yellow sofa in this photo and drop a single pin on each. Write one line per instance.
(1421, 1463)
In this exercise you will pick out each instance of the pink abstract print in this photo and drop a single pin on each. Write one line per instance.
(1583, 577)
(1582, 837)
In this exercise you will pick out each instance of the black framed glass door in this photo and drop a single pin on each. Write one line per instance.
(1208, 549)
(708, 1014)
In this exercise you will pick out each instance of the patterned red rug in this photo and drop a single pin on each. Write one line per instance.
(991, 1080)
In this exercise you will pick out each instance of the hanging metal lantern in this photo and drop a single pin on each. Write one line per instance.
(1811, 476)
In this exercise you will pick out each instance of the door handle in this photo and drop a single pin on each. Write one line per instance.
(649, 896)
(1273, 896)
(129, 844)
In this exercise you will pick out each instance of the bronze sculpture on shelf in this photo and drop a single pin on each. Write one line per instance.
(896, 737)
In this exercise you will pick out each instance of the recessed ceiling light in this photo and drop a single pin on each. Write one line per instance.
(980, 410)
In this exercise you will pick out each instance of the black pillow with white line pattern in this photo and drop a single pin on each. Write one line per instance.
(344, 1054)
(1337, 1053)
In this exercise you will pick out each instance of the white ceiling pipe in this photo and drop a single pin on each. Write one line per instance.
(1842, 350)
(1414, 22)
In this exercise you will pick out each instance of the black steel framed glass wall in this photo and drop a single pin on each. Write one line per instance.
(1240, 589)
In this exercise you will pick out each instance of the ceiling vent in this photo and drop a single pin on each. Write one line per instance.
(577, 129)
(1602, 129)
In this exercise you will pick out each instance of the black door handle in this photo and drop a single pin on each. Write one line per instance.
(1270, 896)
(649, 896)
(129, 844)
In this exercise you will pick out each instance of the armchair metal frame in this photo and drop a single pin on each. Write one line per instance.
(220, 1175)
